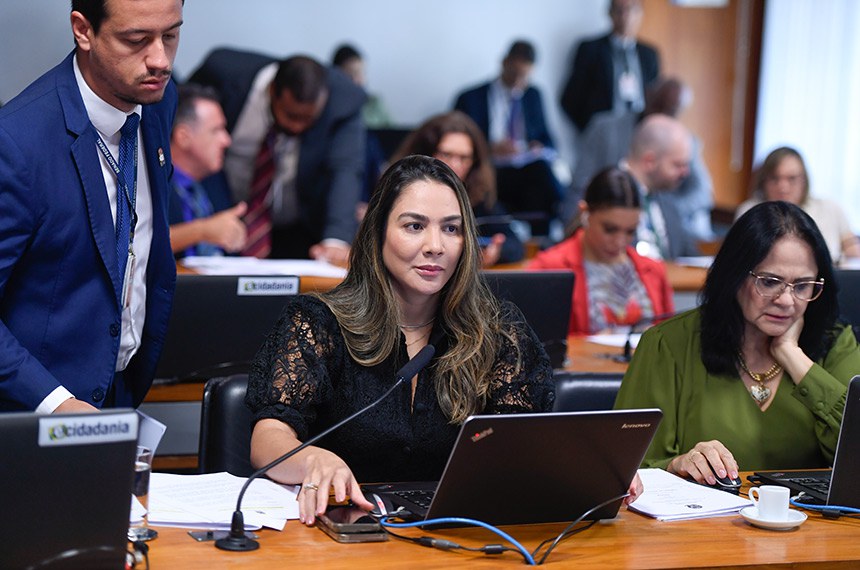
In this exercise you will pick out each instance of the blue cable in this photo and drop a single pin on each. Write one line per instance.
(825, 508)
(472, 522)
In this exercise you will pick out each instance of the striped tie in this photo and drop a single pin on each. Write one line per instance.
(259, 216)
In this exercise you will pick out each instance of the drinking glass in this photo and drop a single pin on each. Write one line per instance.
(140, 531)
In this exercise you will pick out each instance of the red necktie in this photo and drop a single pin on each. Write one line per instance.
(259, 216)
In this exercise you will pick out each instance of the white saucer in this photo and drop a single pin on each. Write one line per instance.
(795, 518)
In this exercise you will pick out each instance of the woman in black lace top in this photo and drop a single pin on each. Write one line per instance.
(414, 278)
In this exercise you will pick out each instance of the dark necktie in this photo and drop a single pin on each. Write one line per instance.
(259, 216)
(125, 189)
(515, 120)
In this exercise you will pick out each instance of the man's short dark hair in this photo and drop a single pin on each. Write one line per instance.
(344, 53)
(303, 76)
(189, 94)
(95, 11)
(523, 50)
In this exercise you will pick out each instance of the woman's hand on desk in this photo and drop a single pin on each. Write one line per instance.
(706, 459)
(491, 252)
(635, 490)
(326, 472)
(317, 470)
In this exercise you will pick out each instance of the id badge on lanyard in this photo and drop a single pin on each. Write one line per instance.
(122, 191)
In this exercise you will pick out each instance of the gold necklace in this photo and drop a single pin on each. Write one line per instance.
(415, 327)
(422, 337)
(759, 392)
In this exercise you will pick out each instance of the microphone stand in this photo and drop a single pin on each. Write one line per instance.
(237, 540)
(628, 344)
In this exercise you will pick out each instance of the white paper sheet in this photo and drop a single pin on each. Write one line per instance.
(615, 340)
(223, 265)
(208, 501)
(667, 497)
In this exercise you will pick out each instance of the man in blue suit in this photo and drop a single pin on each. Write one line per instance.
(84, 301)
(510, 113)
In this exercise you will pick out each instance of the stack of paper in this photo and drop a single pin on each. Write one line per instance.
(223, 265)
(667, 497)
(208, 501)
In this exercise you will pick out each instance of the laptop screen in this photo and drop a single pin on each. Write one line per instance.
(219, 322)
(65, 488)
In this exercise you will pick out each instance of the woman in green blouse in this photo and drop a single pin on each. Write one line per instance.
(756, 377)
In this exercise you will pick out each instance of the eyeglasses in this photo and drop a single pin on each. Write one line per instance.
(449, 157)
(792, 180)
(772, 287)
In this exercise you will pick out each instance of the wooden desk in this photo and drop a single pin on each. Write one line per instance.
(685, 278)
(630, 541)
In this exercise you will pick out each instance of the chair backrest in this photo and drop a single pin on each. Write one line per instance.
(585, 391)
(544, 297)
(225, 427)
(849, 294)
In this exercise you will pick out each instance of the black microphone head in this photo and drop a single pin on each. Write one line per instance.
(416, 363)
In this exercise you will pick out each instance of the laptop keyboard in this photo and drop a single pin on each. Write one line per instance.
(813, 483)
(420, 498)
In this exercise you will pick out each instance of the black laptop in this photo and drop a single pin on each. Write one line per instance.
(65, 489)
(838, 486)
(544, 297)
(219, 322)
(531, 468)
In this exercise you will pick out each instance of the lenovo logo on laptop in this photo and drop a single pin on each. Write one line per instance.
(635, 426)
(478, 436)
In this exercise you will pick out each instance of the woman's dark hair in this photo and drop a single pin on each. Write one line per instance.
(769, 166)
(748, 242)
(612, 187)
(480, 182)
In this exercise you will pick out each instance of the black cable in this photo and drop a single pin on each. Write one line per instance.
(567, 532)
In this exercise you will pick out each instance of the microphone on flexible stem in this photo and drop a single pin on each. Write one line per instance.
(628, 344)
(237, 540)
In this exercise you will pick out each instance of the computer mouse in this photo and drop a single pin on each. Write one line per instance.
(383, 505)
(728, 483)
(724, 484)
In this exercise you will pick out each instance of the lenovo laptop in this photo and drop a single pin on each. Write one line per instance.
(837, 487)
(65, 489)
(531, 468)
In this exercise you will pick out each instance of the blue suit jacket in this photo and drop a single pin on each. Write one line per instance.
(475, 103)
(330, 173)
(60, 313)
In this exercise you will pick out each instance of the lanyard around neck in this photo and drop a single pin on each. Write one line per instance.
(121, 185)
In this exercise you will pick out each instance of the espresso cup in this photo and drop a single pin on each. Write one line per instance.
(771, 502)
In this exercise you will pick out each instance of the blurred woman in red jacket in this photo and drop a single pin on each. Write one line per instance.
(615, 286)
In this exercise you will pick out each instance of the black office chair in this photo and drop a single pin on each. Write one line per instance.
(225, 427)
(585, 391)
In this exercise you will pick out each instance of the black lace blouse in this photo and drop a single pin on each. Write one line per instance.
(304, 376)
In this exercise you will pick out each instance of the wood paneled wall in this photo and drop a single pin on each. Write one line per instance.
(716, 51)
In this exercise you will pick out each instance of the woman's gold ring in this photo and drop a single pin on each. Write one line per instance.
(310, 487)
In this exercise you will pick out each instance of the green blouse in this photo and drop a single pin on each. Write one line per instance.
(798, 430)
